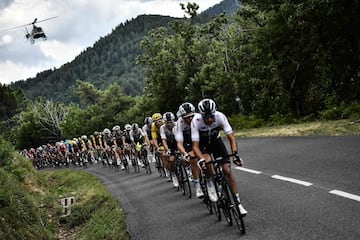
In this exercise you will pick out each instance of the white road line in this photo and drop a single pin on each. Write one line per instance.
(346, 195)
(248, 170)
(293, 180)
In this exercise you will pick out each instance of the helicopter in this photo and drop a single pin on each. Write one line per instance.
(36, 32)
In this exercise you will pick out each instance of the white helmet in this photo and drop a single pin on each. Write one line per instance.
(116, 128)
(106, 131)
(186, 109)
(135, 126)
(169, 117)
(127, 127)
(148, 121)
(207, 106)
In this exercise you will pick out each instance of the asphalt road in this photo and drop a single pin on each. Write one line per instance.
(292, 187)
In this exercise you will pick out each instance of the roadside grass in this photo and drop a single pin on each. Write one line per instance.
(95, 213)
(322, 128)
(30, 205)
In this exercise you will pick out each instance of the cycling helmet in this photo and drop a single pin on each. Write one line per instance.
(148, 121)
(156, 116)
(207, 106)
(127, 127)
(186, 109)
(169, 117)
(135, 126)
(116, 128)
(106, 131)
(84, 137)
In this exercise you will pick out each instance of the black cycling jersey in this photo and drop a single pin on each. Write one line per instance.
(118, 139)
(170, 139)
(127, 137)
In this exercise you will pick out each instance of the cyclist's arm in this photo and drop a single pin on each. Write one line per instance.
(233, 143)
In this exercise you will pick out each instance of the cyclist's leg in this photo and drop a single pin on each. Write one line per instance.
(220, 150)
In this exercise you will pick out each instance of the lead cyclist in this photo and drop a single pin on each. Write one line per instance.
(206, 140)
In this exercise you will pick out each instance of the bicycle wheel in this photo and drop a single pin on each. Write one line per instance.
(216, 206)
(206, 198)
(185, 181)
(224, 202)
(159, 165)
(146, 162)
(234, 209)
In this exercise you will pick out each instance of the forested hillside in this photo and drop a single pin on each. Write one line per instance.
(112, 59)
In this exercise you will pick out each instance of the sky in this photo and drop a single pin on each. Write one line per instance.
(77, 25)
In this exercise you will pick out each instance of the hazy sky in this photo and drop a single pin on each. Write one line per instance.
(80, 23)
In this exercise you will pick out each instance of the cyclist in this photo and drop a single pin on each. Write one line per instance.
(127, 142)
(147, 130)
(157, 142)
(118, 143)
(182, 132)
(206, 140)
(169, 143)
(137, 137)
(109, 145)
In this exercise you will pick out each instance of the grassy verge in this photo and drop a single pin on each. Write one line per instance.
(325, 128)
(30, 205)
(95, 214)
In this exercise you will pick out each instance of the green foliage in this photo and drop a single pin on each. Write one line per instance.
(240, 122)
(40, 123)
(11, 102)
(6, 151)
(343, 111)
(20, 216)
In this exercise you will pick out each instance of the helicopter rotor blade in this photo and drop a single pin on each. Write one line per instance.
(46, 19)
(35, 21)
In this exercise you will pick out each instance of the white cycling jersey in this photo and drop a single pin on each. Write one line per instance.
(182, 130)
(200, 131)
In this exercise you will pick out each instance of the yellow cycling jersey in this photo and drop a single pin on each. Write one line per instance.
(155, 131)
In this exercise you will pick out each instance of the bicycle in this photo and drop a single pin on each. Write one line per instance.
(134, 161)
(144, 158)
(182, 175)
(227, 200)
(159, 165)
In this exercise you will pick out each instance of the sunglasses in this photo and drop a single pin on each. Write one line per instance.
(170, 122)
(208, 116)
(188, 117)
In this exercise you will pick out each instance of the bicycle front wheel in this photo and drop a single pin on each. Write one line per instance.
(233, 205)
(185, 181)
